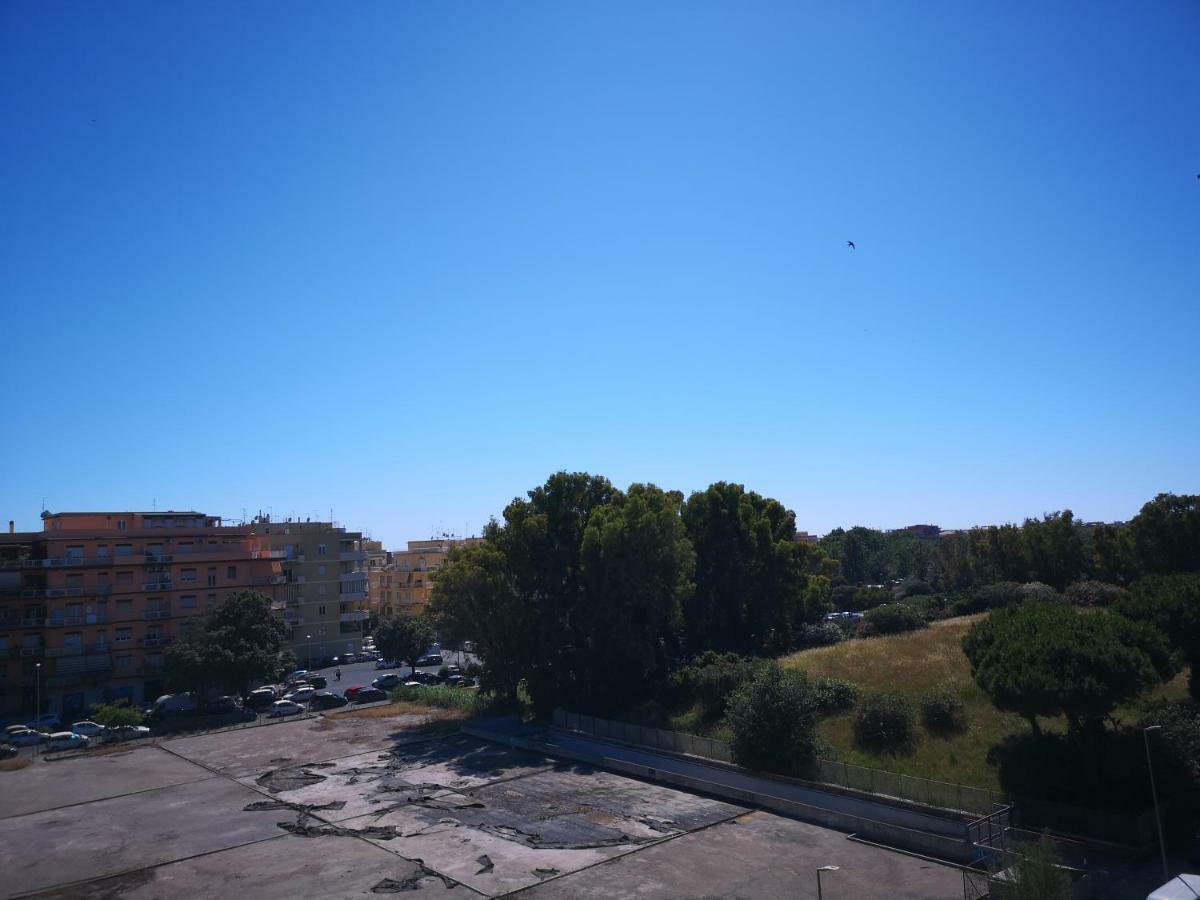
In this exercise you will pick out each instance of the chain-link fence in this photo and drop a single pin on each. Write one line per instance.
(859, 778)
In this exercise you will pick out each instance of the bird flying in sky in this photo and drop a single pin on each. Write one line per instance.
(850, 244)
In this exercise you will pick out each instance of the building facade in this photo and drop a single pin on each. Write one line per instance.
(404, 582)
(89, 604)
(323, 595)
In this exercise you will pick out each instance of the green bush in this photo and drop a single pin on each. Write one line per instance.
(869, 597)
(894, 618)
(822, 634)
(444, 672)
(1093, 593)
(835, 694)
(942, 711)
(710, 679)
(116, 714)
(1035, 590)
(995, 596)
(912, 587)
(473, 670)
(885, 724)
(842, 597)
(772, 718)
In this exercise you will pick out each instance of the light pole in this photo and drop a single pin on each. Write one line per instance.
(819, 871)
(37, 677)
(308, 651)
(1162, 847)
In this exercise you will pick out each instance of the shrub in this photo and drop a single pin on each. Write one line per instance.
(444, 672)
(772, 718)
(868, 598)
(822, 634)
(473, 670)
(1035, 590)
(942, 711)
(1093, 593)
(894, 618)
(442, 696)
(912, 587)
(117, 713)
(711, 678)
(995, 596)
(842, 596)
(835, 694)
(885, 724)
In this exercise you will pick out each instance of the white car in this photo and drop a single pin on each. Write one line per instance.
(301, 695)
(26, 738)
(126, 732)
(285, 708)
(66, 740)
(88, 728)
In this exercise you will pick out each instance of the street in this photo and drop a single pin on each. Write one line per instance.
(365, 672)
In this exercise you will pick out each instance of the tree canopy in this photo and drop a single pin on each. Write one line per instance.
(241, 642)
(404, 638)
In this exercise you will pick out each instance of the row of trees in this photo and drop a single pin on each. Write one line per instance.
(1056, 549)
(591, 595)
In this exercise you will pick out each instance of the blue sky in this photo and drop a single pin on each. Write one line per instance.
(403, 260)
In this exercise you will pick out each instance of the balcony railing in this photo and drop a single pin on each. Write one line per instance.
(32, 623)
(267, 554)
(348, 596)
(26, 652)
(157, 586)
(156, 614)
(357, 615)
(159, 641)
(352, 576)
(64, 621)
(352, 555)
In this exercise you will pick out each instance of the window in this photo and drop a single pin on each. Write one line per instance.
(123, 636)
(124, 549)
(123, 663)
(212, 576)
(188, 576)
(124, 578)
(320, 610)
(188, 601)
(120, 524)
(321, 569)
(210, 601)
(74, 581)
(124, 609)
(321, 589)
(320, 549)
(75, 552)
(102, 551)
(231, 572)
(186, 626)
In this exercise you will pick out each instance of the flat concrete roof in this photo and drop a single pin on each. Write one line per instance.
(357, 805)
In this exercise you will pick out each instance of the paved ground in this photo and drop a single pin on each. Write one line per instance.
(355, 806)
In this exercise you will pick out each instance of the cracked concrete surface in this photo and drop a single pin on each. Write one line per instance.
(354, 807)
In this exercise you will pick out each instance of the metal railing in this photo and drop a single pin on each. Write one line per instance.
(914, 789)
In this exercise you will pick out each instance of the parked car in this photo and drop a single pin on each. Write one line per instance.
(327, 700)
(298, 675)
(66, 740)
(174, 705)
(318, 681)
(13, 729)
(225, 704)
(126, 733)
(427, 677)
(88, 728)
(433, 659)
(456, 680)
(368, 655)
(412, 684)
(382, 663)
(7, 751)
(351, 692)
(285, 708)
(370, 695)
(27, 738)
(302, 694)
(453, 670)
(45, 722)
(260, 698)
(386, 682)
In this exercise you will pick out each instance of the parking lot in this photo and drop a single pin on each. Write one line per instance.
(361, 804)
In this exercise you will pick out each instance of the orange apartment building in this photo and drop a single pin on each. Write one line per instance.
(402, 582)
(89, 604)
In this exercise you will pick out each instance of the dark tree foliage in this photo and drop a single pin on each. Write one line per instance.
(884, 723)
(241, 643)
(894, 618)
(752, 575)
(404, 638)
(1165, 535)
(1047, 659)
(1171, 603)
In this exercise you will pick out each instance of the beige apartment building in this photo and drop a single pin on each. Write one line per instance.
(89, 604)
(323, 597)
(403, 582)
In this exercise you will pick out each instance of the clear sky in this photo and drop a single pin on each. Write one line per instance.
(405, 259)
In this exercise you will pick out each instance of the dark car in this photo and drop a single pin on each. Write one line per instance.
(222, 705)
(318, 681)
(327, 700)
(370, 695)
(262, 698)
(426, 677)
(433, 659)
(352, 692)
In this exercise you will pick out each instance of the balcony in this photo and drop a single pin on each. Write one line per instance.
(352, 576)
(268, 579)
(268, 554)
(352, 555)
(157, 586)
(32, 623)
(156, 641)
(348, 596)
(56, 562)
(357, 615)
(26, 652)
(67, 621)
(156, 614)
(155, 556)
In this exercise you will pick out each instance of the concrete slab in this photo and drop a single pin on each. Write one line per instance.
(56, 847)
(286, 868)
(760, 856)
(250, 751)
(48, 785)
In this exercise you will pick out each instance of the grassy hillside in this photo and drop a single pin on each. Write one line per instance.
(908, 665)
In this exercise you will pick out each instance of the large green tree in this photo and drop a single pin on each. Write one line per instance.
(751, 574)
(1048, 659)
(241, 642)
(1171, 603)
(636, 564)
(1165, 535)
(404, 638)
(474, 599)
